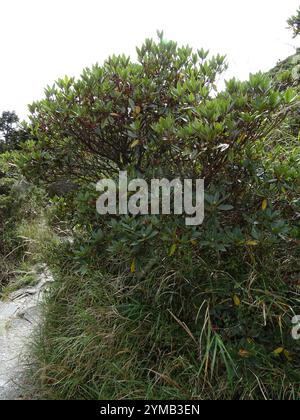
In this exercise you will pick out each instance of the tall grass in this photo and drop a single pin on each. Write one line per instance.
(206, 335)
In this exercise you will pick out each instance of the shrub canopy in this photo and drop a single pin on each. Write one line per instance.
(160, 115)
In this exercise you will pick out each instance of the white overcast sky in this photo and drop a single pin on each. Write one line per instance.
(42, 40)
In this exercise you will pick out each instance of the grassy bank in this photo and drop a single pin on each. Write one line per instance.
(113, 337)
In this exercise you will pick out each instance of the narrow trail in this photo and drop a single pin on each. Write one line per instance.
(20, 314)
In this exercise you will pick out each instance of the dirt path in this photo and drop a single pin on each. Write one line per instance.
(19, 315)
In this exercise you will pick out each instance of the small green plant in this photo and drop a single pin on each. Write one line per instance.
(294, 23)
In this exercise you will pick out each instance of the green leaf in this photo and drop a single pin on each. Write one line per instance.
(134, 144)
(172, 250)
(225, 207)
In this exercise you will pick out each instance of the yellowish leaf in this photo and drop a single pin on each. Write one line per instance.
(236, 300)
(244, 353)
(193, 242)
(252, 243)
(172, 250)
(278, 351)
(264, 205)
(133, 267)
(287, 355)
(134, 144)
(137, 110)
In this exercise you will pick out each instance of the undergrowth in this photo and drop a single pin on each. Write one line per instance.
(208, 335)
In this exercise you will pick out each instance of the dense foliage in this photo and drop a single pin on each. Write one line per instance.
(160, 115)
(8, 129)
(146, 307)
(19, 202)
(156, 309)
